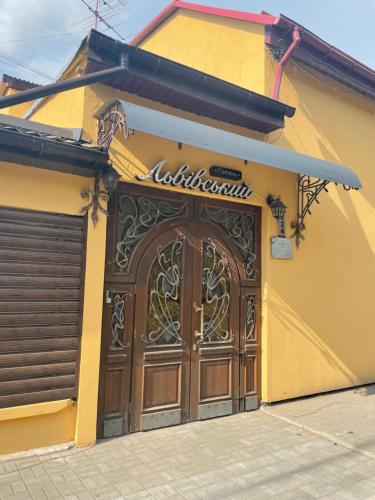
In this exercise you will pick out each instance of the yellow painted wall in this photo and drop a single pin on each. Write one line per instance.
(36, 426)
(85, 433)
(44, 424)
(321, 316)
(62, 110)
(19, 110)
(226, 48)
(317, 322)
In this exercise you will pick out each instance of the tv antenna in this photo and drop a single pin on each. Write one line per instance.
(102, 10)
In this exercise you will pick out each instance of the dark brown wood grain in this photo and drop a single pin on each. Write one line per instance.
(22, 294)
(40, 218)
(63, 306)
(35, 384)
(40, 269)
(26, 372)
(35, 231)
(41, 283)
(7, 400)
(35, 256)
(30, 332)
(7, 241)
(34, 345)
(34, 358)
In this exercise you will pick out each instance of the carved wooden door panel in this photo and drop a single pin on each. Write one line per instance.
(240, 228)
(250, 348)
(215, 385)
(161, 371)
(116, 353)
(186, 339)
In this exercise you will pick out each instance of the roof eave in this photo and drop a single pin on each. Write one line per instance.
(286, 23)
(329, 54)
(201, 90)
(52, 155)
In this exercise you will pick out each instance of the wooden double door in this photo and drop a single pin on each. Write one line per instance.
(181, 326)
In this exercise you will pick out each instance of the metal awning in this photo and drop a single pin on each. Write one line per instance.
(167, 126)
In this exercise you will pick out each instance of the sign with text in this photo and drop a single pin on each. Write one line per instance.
(188, 179)
(226, 173)
(281, 248)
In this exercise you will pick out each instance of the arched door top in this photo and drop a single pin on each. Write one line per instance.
(142, 214)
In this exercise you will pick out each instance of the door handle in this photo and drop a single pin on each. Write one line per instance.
(199, 333)
(108, 298)
(197, 308)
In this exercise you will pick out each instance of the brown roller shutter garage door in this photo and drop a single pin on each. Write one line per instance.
(41, 270)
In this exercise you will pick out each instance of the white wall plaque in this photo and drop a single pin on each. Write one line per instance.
(282, 248)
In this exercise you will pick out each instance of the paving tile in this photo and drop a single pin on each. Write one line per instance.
(7, 478)
(25, 495)
(5, 490)
(18, 487)
(250, 455)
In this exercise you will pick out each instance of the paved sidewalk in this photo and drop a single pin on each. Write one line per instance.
(347, 416)
(245, 456)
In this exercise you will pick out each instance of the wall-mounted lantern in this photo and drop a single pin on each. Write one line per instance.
(110, 180)
(278, 209)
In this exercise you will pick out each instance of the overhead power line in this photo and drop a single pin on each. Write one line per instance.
(12, 61)
(45, 37)
(61, 35)
(108, 9)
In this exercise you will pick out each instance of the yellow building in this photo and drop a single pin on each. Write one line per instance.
(10, 85)
(196, 302)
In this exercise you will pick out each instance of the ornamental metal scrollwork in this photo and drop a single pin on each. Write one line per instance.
(240, 228)
(94, 198)
(163, 320)
(250, 317)
(308, 192)
(215, 295)
(112, 119)
(118, 321)
(135, 218)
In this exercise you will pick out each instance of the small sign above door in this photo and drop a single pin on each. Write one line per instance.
(185, 178)
(226, 173)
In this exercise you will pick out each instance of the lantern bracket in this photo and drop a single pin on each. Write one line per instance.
(94, 198)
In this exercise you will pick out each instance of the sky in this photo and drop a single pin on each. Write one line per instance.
(39, 37)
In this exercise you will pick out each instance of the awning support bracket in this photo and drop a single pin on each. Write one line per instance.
(110, 120)
(308, 191)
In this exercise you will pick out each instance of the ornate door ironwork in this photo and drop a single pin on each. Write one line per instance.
(240, 228)
(136, 216)
(215, 295)
(164, 296)
(181, 316)
(214, 389)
